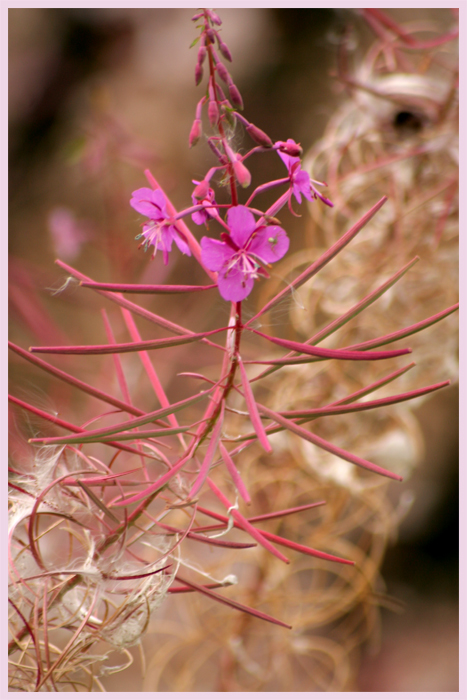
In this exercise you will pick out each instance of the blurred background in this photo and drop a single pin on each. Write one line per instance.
(98, 95)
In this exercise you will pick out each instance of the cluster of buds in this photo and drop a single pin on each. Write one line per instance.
(248, 246)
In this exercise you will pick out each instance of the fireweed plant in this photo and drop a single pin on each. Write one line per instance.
(100, 524)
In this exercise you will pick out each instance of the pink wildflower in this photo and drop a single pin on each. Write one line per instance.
(203, 194)
(160, 230)
(240, 258)
(299, 178)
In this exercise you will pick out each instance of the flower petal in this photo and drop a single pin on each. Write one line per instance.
(144, 202)
(302, 185)
(214, 254)
(241, 223)
(269, 244)
(164, 239)
(234, 285)
(180, 241)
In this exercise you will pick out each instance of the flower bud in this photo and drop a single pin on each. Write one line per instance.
(215, 18)
(235, 96)
(223, 73)
(213, 112)
(242, 173)
(211, 34)
(225, 51)
(201, 55)
(201, 190)
(198, 73)
(290, 148)
(195, 133)
(259, 136)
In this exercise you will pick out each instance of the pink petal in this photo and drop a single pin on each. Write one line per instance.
(302, 186)
(270, 244)
(180, 241)
(234, 286)
(214, 254)
(241, 223)
(144, 202)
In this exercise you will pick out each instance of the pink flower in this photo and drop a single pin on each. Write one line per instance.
(300, 179)
(160, 230)
(240, 257)
(203, 194)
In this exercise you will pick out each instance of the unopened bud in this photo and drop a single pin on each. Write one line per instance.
(195, 133)
(223, 73)
(198, 73)
(259, 136)
(242, 173)
(235, 96)
(215, 18)
(213, 112)
(201, 190)
(225, 51)
(201, 54)
(211, 34)
(291, 148)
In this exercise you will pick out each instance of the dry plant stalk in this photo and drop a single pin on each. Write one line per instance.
(110, 524)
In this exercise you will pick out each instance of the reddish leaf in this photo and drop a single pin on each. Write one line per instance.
(207, 461)
(325, 445)
(232, 603)
(244, 524)
(236, 478)
(148, 288)
(322, 260)
(253, 410)
(404, 332)
(344, 354)
(92, 435)
(125, 347)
